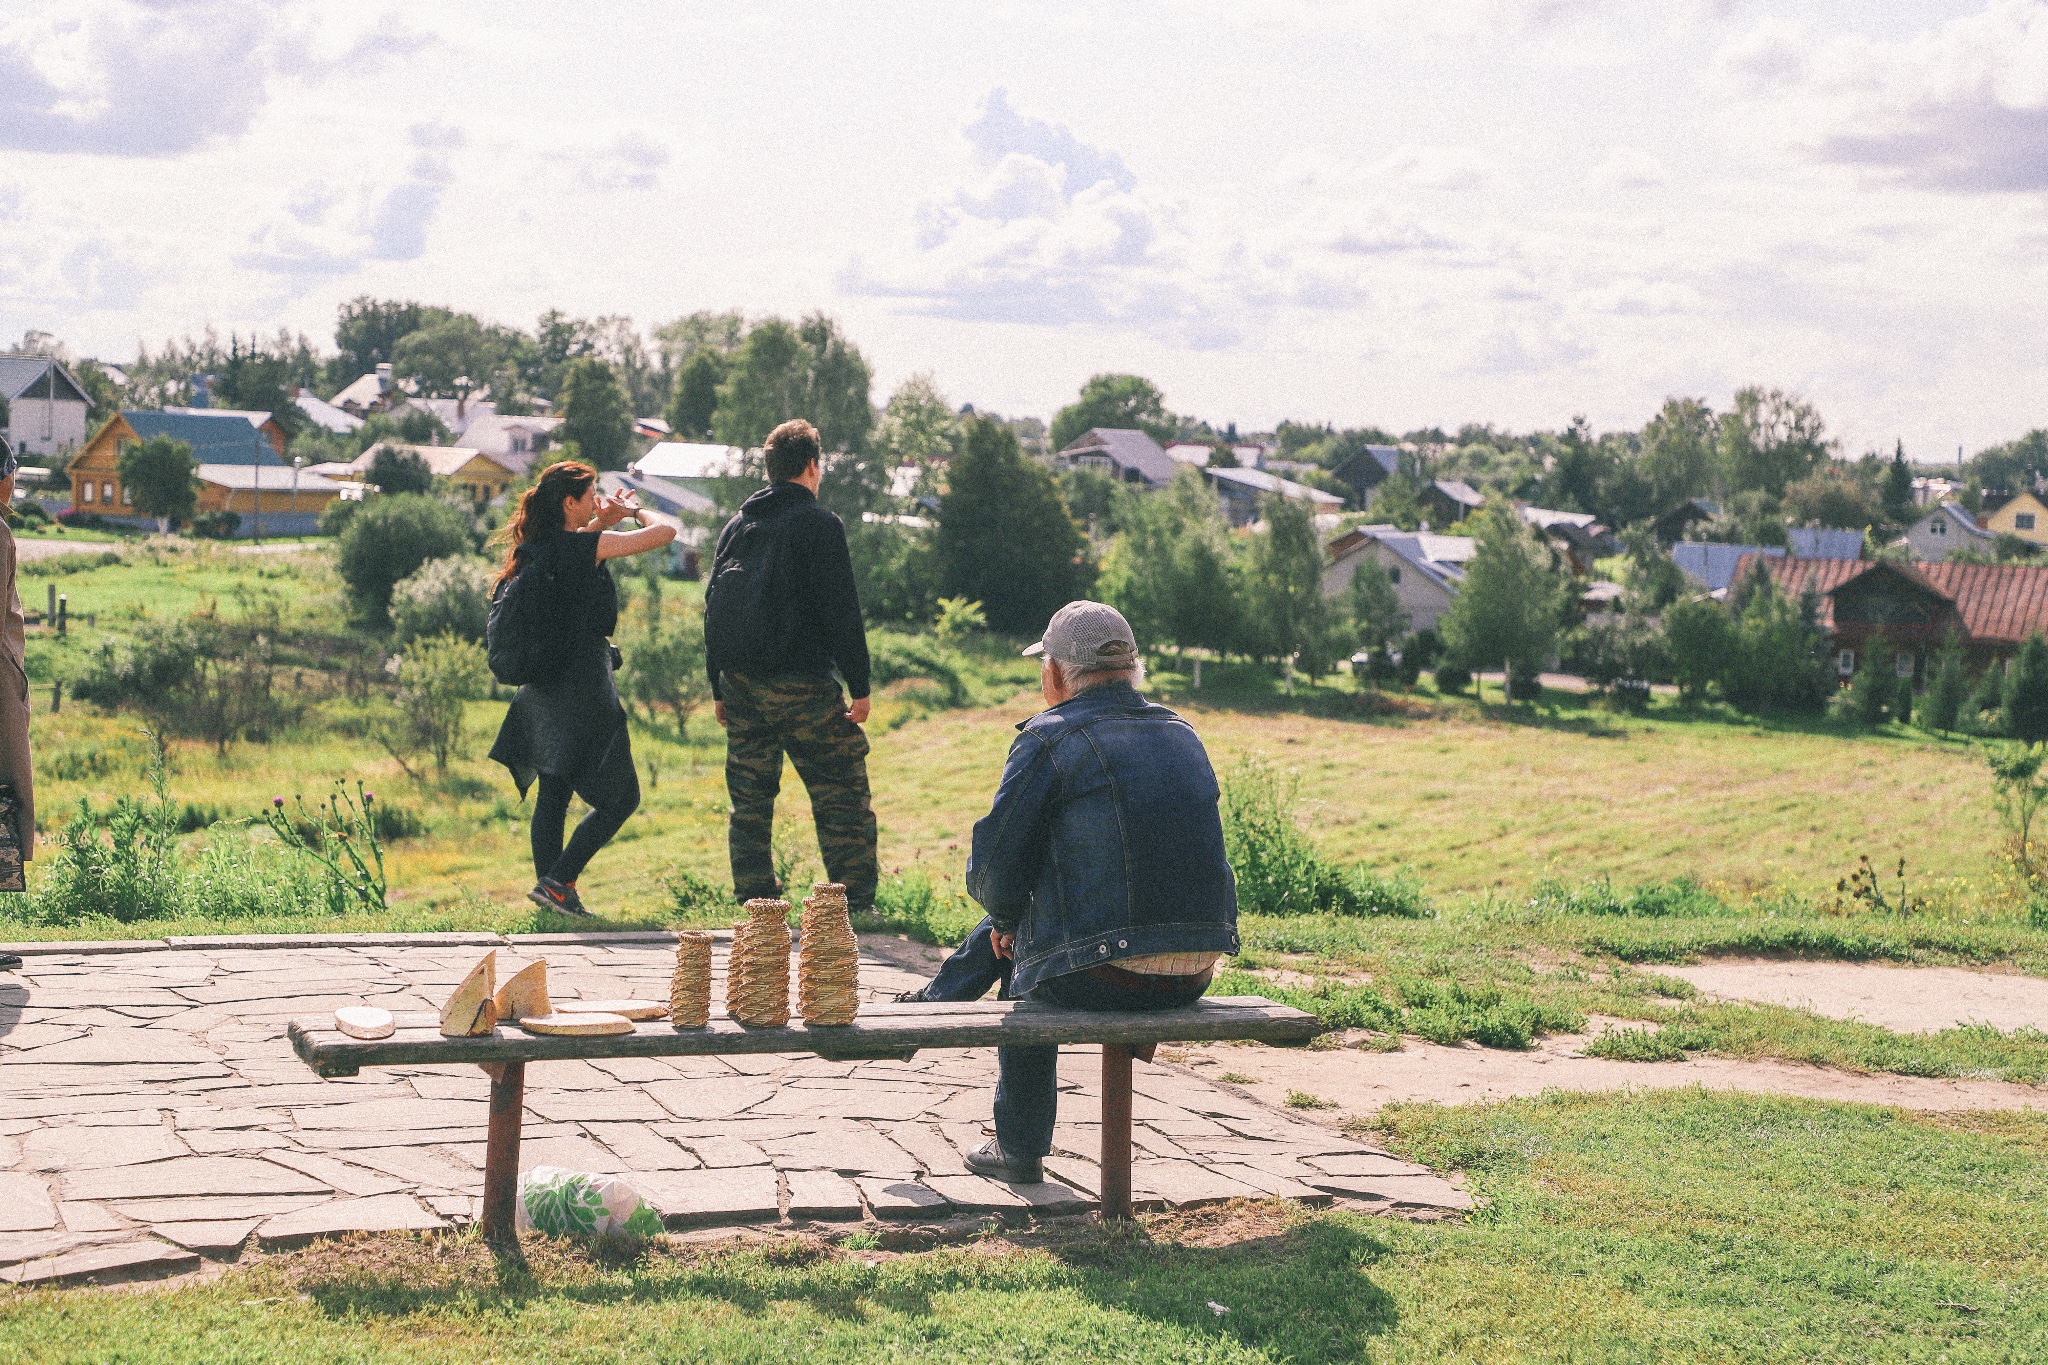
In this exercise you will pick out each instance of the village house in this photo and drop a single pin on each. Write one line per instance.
(326, 416)
(2024, 515)
(1126, 455)
(1243, 493)
(46, 407)
(1425, 568)
(269, 500)
(511, 441)
(692, 466)
(1674, 523)
(218, 436)
(1914, 608)
(1944, 527)
(475, 475)
(1367, 470)
(1449, 501)
(370, 393)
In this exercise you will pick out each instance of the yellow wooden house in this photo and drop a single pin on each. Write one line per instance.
(472, 473)
(217, 436)
(2026, 516)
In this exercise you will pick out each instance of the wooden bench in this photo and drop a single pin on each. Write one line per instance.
(883, 1030)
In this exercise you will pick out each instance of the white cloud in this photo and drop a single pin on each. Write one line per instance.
(1625, 169)
(630, 161)
(1962, 108)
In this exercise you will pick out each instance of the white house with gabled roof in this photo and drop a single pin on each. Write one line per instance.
(1425, 568)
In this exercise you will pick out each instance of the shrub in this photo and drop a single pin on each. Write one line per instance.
(395, 469)
(343, 845)
(437, 679)
(1452, 679)
(449, 596)
(339, 513)
(892, 658)
(217, 525)
(665, 667)
(2024, 698)
(694, 895)
(1279, 870)
(389, 539)
(1873, 692)
(1680, 898)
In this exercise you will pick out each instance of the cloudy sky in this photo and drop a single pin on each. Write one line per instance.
(1471, 210)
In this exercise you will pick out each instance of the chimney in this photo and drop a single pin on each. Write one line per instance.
(384, 377)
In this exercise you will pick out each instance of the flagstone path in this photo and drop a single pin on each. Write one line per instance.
(152, 1112)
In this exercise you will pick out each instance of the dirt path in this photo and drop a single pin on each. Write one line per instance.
(1358, 1083)
(1902, 999)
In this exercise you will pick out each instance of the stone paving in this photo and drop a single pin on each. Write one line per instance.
(153, 1114)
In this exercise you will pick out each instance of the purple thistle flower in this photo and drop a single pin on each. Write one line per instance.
(277, 801)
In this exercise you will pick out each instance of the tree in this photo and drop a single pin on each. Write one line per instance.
(1114, 400)
(919, 426)
(1778, 659)
(1829, 497)
(1770, 439)
(1507, 609)
(161, 477)
(1222, 456)
(390, 538)
(596, 414)
(1677, 455)
(1896, 493)
(395, 469)
(368, 330)
(695, 398)
(1375, 607)
(1285, 615)
(1397, 501)
(783, 371)
(719, 333)
(665, 665)
(1698, 638)
(1947, 685)
(1654, 580)
(251, 381)
(1579, 469)
(1005, 539)
(1168, 569)
(2024, 699)
(1873, 691)
(454, 355)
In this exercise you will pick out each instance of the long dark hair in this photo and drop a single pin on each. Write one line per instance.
(540, 513)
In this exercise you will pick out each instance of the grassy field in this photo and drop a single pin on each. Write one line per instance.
(1674, 1226)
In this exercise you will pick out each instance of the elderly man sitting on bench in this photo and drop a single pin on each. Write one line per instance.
(1100, 865)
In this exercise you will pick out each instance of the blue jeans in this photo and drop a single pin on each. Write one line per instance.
(1027, 1085)
(971, 970)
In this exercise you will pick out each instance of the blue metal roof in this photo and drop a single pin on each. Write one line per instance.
(1714, 564)
(215, 438)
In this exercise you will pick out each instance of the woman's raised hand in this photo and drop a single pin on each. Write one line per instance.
(614, 508)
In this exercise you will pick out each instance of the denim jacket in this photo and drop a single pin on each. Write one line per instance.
(1104, 841)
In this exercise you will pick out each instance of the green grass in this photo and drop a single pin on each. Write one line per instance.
(1679, 1225)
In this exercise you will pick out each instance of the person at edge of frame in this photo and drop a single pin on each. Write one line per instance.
(17, 767)
(1100, 865)
(781, 614)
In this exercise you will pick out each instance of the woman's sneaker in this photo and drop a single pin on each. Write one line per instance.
(550, 894)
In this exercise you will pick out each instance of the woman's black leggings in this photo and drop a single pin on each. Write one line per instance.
(593, 831)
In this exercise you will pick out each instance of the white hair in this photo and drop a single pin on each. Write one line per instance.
(1079, 680)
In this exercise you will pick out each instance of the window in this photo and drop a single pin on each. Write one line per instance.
(1394, 575)
(107, 493)
(1845, 662)
(127, 496)
(1935, 528)
(88, 490)
(521, 443)
(1902, 663)
(2023, 521)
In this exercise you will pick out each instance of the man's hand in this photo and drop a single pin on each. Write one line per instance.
(857, 710)
(1005, 945)
(718, 713)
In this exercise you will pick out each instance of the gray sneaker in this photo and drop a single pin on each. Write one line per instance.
(989, 1160)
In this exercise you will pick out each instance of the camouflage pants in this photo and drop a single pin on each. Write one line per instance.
(805, 718)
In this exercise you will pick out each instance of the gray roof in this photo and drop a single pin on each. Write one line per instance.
(1261, 481)
(217, 436)
(1824, 543)
(1714, 564)
(1458, 491)
(1960, 515)
(20, 373)
(267, 478)
(1126, 449)
(1544, 518)
(659, 494)
(1439, 558)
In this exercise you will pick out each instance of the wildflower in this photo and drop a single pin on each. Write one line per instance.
(277, 801)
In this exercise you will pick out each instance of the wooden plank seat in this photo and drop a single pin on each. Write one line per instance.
(885, 1029)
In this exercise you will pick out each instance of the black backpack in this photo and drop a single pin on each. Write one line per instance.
(522, 639)
(741, 618)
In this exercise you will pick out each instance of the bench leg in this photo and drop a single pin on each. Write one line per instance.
(1116, 1130)
(501, 1152)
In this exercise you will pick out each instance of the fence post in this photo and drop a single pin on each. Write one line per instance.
(63, 611)
(56, 695)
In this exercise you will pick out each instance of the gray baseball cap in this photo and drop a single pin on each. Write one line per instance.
(1088, 635)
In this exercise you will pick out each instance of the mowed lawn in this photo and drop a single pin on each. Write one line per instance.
(1482, 802)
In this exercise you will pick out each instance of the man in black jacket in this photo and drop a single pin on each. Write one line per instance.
(780, 614)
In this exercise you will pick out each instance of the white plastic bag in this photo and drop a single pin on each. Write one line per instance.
(582, 1204)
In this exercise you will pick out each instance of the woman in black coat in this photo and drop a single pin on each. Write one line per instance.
(571, 730)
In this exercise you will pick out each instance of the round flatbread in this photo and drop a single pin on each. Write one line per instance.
(625, 1009)
(365, 1021)
(577, 1025)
